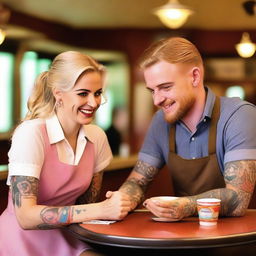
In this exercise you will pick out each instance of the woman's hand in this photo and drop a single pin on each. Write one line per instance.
(116, 206)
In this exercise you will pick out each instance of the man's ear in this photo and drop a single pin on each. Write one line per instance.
(196, 76)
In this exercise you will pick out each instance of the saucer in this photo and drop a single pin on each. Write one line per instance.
(164, 219)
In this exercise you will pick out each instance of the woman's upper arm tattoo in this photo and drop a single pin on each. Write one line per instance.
(93, 192)
(23, 187)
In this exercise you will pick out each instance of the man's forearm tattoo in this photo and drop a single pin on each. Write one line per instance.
(240, 179)
(228, 199)
(23, 186)
(147, 171)
(135, 187)
(132, 188)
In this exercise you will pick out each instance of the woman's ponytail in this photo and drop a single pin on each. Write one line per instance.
(41, 101)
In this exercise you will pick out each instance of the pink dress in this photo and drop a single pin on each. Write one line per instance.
(60, 184)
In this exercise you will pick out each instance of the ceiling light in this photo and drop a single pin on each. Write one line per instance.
(4, 17)
(2, 35)
(173, 14)
(246, 48)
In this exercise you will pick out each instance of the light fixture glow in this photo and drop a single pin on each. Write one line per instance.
(246, 48)
(2, 35)
(173, 14)
(4, 18)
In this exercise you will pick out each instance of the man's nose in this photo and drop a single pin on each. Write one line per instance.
(158, 98)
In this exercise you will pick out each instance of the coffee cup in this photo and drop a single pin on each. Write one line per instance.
(163, 199)
(208, 211)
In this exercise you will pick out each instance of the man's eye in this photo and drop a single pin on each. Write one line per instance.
(166, 88)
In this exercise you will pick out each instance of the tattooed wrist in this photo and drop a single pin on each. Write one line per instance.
(190, 207)
(133, 189)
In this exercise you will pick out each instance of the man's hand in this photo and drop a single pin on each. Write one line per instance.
(176, 209)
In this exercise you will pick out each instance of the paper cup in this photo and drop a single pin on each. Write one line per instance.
(208, 211)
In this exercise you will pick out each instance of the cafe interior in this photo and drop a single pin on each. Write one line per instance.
(115, 33)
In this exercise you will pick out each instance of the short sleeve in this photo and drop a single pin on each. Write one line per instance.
(26, 154)
(155, 146)
(240, 139)
(103, 153)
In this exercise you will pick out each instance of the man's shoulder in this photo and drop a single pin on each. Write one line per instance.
(232, 104)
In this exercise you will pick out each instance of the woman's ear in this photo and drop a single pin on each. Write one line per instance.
(196, 76)
(57, 94)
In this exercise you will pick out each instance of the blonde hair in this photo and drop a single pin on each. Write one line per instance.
(173, 50)
(64, 71)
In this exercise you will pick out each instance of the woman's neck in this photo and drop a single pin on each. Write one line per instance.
(70, 130)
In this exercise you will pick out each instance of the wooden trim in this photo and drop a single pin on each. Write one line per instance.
(117, 163)
(3, 174)
(122, 162)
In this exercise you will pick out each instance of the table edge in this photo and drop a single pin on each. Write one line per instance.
(154, 243)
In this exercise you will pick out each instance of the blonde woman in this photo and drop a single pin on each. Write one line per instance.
(56, 162)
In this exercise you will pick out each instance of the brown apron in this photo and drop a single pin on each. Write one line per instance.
(194, 176)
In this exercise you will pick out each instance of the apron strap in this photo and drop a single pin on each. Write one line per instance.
(212, 131)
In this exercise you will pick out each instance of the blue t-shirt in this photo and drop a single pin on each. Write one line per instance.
(236, 132)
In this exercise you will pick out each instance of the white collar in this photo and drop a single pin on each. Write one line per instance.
(56, 134)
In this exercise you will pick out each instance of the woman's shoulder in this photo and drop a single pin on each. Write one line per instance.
(29, 127)
(94, 132)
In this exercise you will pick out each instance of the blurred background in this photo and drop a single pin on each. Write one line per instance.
(116, 32)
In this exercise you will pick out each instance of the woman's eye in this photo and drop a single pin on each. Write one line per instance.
(83, 94)
(97, 94)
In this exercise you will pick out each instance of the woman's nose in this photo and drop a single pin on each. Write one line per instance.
(92, 101)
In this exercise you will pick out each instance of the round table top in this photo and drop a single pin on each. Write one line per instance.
(140, 230)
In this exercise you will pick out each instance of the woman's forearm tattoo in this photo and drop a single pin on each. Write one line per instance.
(53, 217)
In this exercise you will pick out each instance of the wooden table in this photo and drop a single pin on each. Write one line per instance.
(138, 230)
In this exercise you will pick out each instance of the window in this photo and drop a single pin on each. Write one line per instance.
(117, 84)
(31, 66)
(235, 91)
(6, 91)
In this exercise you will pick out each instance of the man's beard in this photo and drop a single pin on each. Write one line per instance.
(185, 105)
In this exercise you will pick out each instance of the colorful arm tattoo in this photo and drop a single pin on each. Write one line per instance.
(54, 217)
(240, 177)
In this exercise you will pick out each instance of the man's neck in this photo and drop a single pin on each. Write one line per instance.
(193, 117)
